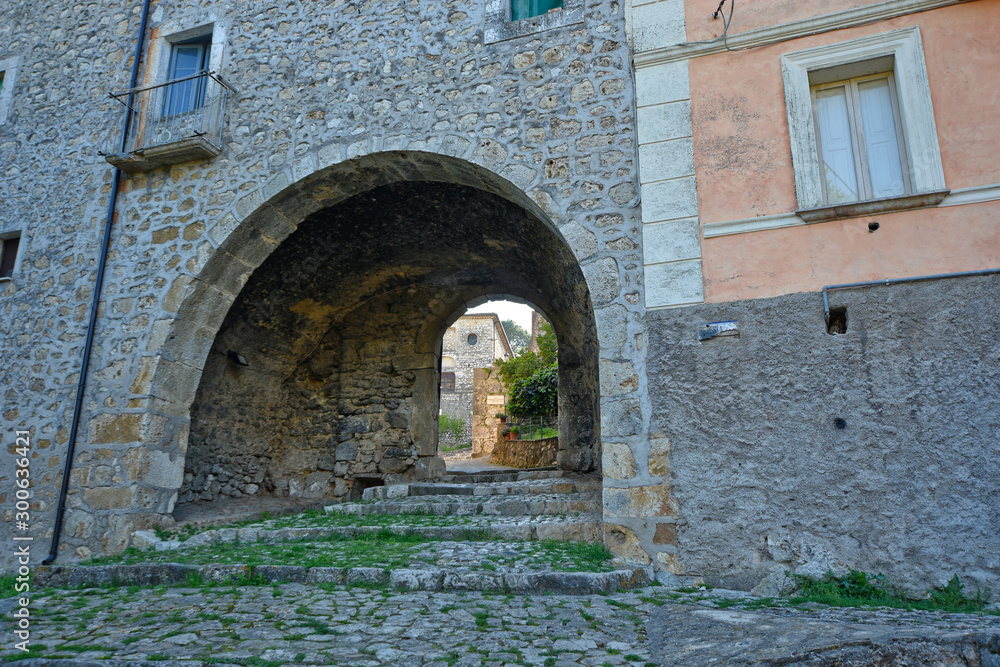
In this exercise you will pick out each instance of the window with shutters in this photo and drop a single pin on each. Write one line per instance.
(524, 9)
(8, 72)
(510, 19)
(860, 139)
(862, 129)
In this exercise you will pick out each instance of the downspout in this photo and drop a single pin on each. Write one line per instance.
(95, 301)
(896, 281)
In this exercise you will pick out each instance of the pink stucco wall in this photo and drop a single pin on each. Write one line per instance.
(755, 14)
(744, 167)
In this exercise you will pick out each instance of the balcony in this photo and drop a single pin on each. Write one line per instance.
(170, 123)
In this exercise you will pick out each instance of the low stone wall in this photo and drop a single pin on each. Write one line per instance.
(525, 453)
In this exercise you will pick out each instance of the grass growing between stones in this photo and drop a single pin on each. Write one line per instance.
(455, 448)
(860, 589)
(313, 518)
(386, 549)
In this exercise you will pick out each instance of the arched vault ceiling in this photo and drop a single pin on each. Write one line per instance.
(426, 237)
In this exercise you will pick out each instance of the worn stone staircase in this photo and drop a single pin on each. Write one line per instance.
(490, 531)
(542, 504)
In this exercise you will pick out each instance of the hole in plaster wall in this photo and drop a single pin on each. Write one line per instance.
(873, 226)
(840, 423)
(362, 483)
(837, 324)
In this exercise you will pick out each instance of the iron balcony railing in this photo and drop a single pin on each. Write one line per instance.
(185, 109)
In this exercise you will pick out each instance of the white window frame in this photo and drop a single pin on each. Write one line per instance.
(500, 27)
(182, 30)
(9, 67)
(916, 117)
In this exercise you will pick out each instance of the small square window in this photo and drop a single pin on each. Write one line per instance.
(8, 255)
(448, 383)
(525, 9)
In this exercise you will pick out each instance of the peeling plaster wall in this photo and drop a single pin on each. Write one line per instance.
(791, 448)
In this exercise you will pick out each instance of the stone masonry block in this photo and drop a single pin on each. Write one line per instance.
(612, 326)
(669, 200)
(639, 501)
(619, 463)
(111, 429)
(674, 284)
(666, 533)
(659, 455)
(603, 280)
(671, 241)
(658, 25)
(617, 378)
(582, 241)
(620, 418)
(666, 159)
(624, 544)
(109, 498)
(153, 468)
(661, 84)
(664, 122)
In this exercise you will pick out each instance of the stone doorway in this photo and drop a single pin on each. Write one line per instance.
(323, 374)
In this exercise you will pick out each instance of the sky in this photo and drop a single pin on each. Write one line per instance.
(507, 310)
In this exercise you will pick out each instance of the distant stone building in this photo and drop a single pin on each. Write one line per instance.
(473, 341)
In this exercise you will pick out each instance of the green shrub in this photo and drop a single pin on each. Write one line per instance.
(451, 426)
(535, 396)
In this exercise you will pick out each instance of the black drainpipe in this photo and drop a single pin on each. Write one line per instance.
(85, 363)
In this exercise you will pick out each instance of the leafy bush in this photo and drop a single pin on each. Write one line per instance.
(548, 348)
(537, 395)
(521, 367)
(451, 426)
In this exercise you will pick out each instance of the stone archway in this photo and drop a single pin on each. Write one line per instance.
(304, 356)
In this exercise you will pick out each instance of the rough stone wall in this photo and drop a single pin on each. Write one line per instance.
(524, 453)
(791, 448)
(320, 84)
(484, 413)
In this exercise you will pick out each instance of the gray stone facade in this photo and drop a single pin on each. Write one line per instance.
(336, 101)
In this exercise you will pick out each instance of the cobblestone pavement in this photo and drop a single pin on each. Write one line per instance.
(297, 624)
(306, 625)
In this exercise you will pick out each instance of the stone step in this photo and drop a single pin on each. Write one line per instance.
(516, 476)
(510, 488)
(425, 578)
(452, 505)
(585, 527)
